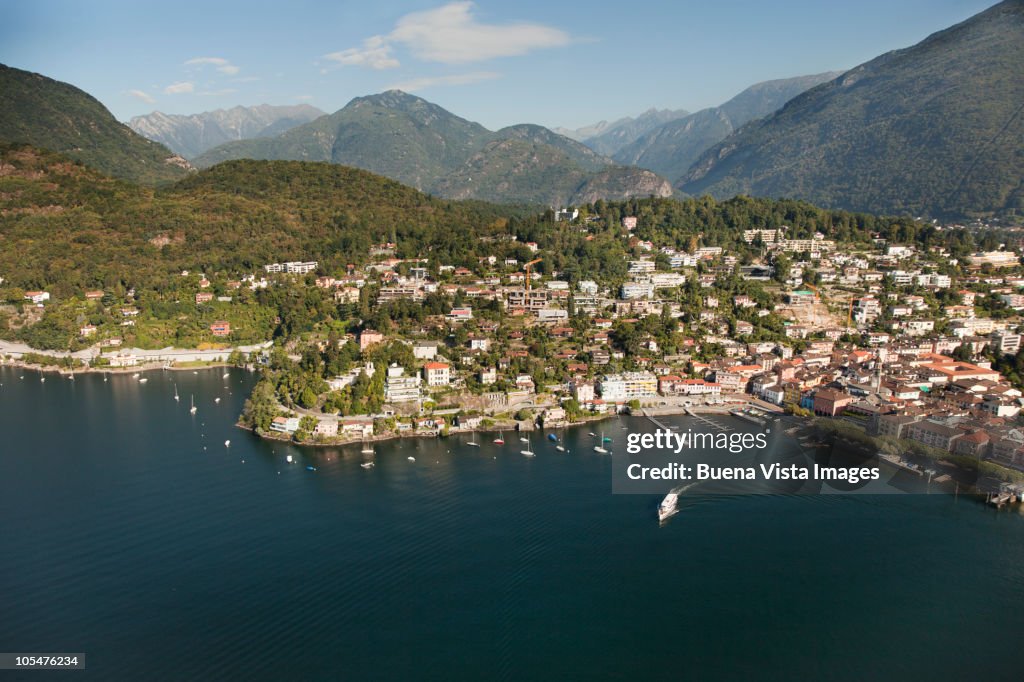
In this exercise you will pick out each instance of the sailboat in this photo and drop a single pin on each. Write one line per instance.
(529, 450)
(499, 441)
(473, 443)
(192, 410)
(600, 446)
(176, 397)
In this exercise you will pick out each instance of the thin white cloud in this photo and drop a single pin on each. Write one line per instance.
(375, 54)
(215, 93)
(416, 84)
(179, 88)
(221, 64)
(450, 34)
(144, 96)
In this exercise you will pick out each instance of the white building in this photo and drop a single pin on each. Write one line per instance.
(285, 424)
(628, 386)
(437, 374)
(292, 267)
(399, 388)
(634, 290)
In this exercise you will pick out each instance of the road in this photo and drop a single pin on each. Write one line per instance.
(144, 357)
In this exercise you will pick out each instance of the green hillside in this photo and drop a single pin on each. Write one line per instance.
(935, 129)
(46, 113)
(68, 227)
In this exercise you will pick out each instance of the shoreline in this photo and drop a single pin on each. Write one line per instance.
(663, 411)
(88, 369)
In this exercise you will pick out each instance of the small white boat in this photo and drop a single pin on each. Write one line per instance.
(474, 444)
(669, 507)
(411, 459)
(225, 376)
(177, 398)
(192, 410)
(592, 433)
(499, 441)
(104, 377)
(42, 379)
(559, 448)
(135, 376)
(367, 465)
(525, 440)
(143, 380)
(600, 446)
(288, 459)
(528, 451)
(227, 443)
(216, 400)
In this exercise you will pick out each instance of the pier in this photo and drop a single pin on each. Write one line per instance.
(1008, 494)
(704, 420)
(750, 415)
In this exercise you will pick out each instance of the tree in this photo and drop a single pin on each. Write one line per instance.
(307, 398)
(962, 353)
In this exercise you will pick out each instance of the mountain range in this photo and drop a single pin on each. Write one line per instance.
(607, 138)
(191, 135)
(936, 129)
(420, 144)
(46, 113)
(671, 148)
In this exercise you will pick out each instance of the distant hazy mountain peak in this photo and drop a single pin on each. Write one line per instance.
(672, 147)
(192, 134)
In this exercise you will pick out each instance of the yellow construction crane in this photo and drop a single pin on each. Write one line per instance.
(527, 269)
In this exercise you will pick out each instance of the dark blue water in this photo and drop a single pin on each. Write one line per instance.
(122, 537)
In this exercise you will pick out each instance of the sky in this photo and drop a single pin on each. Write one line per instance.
(556, 63)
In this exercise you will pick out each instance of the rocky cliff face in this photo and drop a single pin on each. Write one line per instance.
(621, 182)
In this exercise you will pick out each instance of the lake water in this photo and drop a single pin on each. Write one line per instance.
(131, 533)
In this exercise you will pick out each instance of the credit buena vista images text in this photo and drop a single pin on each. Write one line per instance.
(769, 472)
